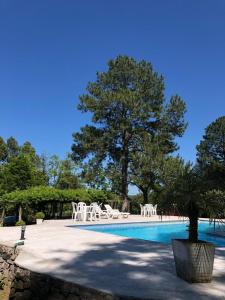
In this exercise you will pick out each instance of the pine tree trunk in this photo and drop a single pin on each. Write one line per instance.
(20, 213)
(145, 196)
(124, 189)
(3, 216)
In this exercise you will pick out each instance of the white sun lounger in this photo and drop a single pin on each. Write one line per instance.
(115, 213)
(98, 212)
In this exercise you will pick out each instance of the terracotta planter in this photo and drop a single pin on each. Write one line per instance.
(194, 261)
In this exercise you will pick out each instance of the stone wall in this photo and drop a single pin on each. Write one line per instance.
(27, 285)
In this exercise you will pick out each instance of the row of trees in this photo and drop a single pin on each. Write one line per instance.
(21, 168)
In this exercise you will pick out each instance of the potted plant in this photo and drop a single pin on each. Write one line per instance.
(20, 223)
(39, 217)
(193, 258)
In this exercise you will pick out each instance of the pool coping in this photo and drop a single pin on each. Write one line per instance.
(127, 223)
(112, 264)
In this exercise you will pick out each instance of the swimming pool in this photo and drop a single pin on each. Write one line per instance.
(158, 232)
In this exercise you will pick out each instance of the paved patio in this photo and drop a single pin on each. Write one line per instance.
(110, 263)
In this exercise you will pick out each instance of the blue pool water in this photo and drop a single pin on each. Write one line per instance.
(159, 232)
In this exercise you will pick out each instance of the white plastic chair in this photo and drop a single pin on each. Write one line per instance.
(148, 210)
(91, 212)
(154, 212)
(81, 210)
(74, 211)
(142, 210)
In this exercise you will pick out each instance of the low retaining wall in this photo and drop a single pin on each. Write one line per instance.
(27, 285)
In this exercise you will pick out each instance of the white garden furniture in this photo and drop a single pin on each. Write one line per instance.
(82, 212)
(79, 212)
(148, 210)
(98, 212)
(142, 210)
(89, 213)
(115, 213)
(74, 211)
(154, 211)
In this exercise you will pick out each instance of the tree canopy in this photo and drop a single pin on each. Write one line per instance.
(62, 173)
(212, 146)
(20, 166)
(211, 154)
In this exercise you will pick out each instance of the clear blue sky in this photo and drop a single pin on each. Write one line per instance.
(49, 50)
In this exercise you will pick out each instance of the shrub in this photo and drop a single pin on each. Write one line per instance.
(20, 223)
(40, 215)
(67, 212)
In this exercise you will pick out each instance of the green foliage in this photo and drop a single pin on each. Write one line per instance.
(20, 223)
(169, 172)
(17, 174)
(40, 215)
(32, 195)
(3, 150)
(189, 196)
(13, 148)
(126, 102)
(54, 166)
(135, 201)
(62, 173)
(185, 195)
(212, 146)
(68, 181)
(37, 195)
(94, 175)
(172, 168)
(186, 189)
(151, 167)
(214, 203)
(201, 190)
(211, 154)
(20, 167)
(20, 174)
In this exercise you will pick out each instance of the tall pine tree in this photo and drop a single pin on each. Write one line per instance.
(126, 101)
